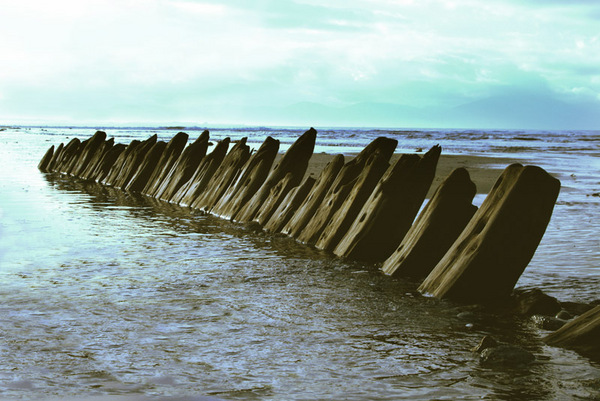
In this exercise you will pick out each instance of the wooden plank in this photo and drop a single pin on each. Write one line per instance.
(169, 156)
(309, 206)
(200, 178)
(581, 334)
(250, 179)
(147, 166)
(87, 173)
(107, 162)
(288, 206)
(291, 167)
(70, 151)
(117, 166)
(346, 213)
(435, 230)
(55, 158)
(134, 160)
(225, 174)
(342, 186)
(43, 165)
(92, 146)
(390, 210)
(491, 253)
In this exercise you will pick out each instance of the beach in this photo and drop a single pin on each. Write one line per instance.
(106, 293)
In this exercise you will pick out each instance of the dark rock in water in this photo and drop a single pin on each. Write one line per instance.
(576, 308)
(535, 302)
(547, 322)
(493, 354)
(313, 201)
(435, 230)
(291, 167)
(43, 165)
(505, 355)
(564, 315)
(581, 334)
(487, 259)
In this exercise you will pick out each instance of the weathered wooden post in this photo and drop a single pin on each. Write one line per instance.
(288, 206)
(134, 160)
(250, 179)
(66, 156)
(435, 230)
(391, 208)
(118, 165)
(225, 174)
(146, 167)
(200, 178)
(360, 190)
(309, 206)
(55, 158)
(491, 253)
(105, 147)
(92, 146)
(106, 162)
(182, 169)
(43, 165)
(342, 186)
(167, 160)
(291, 167)
(581, 334)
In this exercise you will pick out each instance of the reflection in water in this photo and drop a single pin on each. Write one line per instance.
(145, 297)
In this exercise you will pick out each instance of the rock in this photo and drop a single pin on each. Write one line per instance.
(580, 334)
(252, 175)
(576, 308)
(168, 158)
(288, 206)
(390, 210)
(435, 230)
(43, 165)
(341, 187)
(291, 167)
(491, 253)
(564, 315)
(485, 343)
(547, 322)
(309, 206)
(223, 177)
(505, 356)
(534, 302)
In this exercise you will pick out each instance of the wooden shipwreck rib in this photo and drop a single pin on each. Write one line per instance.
(362, 209)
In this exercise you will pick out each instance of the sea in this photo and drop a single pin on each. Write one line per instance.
(109, 295)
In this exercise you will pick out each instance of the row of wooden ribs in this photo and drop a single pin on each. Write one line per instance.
(361, 209)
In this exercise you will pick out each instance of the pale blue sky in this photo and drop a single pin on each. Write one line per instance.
(515, 63)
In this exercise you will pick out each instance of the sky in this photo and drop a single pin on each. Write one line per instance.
(401, 63)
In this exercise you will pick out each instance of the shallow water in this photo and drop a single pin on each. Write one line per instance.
(104, 293)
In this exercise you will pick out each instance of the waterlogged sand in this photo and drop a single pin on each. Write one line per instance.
(484, 171)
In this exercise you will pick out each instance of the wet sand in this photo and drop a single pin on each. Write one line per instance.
(484, 171)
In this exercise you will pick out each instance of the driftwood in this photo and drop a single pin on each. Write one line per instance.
(581, 334)
(92, 146)
(43, 165)
(133, 162)
(119, 163)
(105, 147)
(435, 230)
(490, 255)
(51, 167)
(146, 168)
(342, 186)
(360, 190)
(200, 178)
(183, 168)
(391, 208)
(290, 168)
(309, 206)
(106, 162)
(225, 174)
(287, 207)
(251, 177)
(169, 156)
